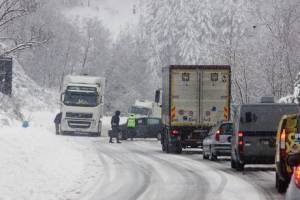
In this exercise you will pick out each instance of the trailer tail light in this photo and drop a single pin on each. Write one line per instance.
(241, 141)
(297, 176)
(282, 142)
(217, 135)
(174, 132)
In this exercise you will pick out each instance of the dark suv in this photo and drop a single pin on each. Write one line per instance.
(146, 127)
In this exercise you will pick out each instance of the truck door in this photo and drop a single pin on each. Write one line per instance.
(214, 96)
(185, 97)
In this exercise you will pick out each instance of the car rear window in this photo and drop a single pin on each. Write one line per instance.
(140, 122)
(153, 121)
(226, 129)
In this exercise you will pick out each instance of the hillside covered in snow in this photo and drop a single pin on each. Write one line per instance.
(27, 97)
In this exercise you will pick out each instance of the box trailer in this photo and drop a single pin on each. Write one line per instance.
(194, 98)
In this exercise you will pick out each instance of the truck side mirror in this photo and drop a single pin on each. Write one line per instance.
(157, 96)
(62, 96)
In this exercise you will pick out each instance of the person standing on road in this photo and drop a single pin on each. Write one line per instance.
(131, 126)
(57, 122)
(115, 120)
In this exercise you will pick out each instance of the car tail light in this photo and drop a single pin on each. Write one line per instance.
(174, 132)
(241, 141)
(217, 135)
(297, 176)
(282, 142)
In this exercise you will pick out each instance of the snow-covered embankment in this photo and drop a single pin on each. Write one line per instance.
(35, 163)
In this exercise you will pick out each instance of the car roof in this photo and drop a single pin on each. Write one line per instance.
(290, 116)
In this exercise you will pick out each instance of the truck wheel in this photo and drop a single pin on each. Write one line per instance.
(239, 166)
(281, 185)
(213, 157)
(99, 131)
(178, 149)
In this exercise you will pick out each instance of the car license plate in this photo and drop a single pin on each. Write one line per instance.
(265, 142)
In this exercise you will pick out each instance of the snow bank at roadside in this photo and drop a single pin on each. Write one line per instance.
(37, 164)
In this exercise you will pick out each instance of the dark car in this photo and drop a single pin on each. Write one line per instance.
(146, 127)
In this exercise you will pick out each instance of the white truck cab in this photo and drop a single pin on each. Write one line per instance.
(82, 100)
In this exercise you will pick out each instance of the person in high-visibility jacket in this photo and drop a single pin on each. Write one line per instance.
(131, 126)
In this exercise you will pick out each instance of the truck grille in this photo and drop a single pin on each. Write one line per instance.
(79, 124)
(79, 115)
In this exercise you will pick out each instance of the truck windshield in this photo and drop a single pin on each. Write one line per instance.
(85, 99)
(140, 110)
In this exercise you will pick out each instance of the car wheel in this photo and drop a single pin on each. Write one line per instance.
(167, 146)
(233, 164)
(99, 130)
(281, 185)
(163, 147)
(205, 157)
(212, 156)
(120, 135)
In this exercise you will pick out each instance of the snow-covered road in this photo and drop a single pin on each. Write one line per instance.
(37, 164)
(139, 170)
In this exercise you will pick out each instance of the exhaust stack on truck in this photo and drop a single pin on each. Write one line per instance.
(82, 100)
(194, 98)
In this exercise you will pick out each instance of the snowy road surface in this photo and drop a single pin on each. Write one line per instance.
(139, 170)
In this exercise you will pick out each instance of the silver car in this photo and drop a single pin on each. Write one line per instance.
(218, 141)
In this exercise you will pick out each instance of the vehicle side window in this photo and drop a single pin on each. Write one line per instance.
(212, 131)
(153, 121)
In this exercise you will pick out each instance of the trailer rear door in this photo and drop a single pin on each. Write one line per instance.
(214, 98)
(185, 97)
(199, 96)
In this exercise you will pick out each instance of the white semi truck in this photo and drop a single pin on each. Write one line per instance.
(82, 100)
(145, 108)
